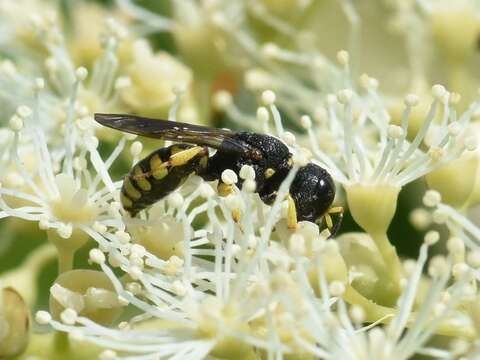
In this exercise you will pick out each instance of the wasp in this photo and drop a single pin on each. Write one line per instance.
(311, 193)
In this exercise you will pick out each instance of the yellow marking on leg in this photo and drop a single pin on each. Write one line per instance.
(325, 233)
(269, 173)
(182, 157)
(126, 202)
(140, 179)
(130, 190)
(335, 210)
(224, 189)
(328, 220)
(292, 213)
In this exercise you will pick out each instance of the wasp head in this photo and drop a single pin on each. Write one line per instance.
(313, 191)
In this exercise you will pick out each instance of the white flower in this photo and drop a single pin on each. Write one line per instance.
(216, 34)
(392, 159)
(56, 190)
(210, 276)
(69, 189)
(328, 334)
(235, 288)
(458, 225)
(201, 292)
(63, 80)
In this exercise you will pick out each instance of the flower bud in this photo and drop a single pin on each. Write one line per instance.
(88, 293)
(14, 323)
(163, 238)
(153, 76)
(372, 206)
(455, 181)
(268, 97)
(455, 31)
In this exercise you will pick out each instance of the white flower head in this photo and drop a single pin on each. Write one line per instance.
(219, 273)
(198, 288)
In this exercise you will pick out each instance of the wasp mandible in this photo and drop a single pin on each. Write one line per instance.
(311, 193)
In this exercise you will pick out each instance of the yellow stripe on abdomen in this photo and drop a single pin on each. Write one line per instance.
(130, 190)
(127, 203)
(140, 179)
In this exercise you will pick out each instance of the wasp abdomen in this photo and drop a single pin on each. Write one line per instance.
(159, 174)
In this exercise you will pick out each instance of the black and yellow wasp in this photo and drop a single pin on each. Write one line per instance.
(311, 192)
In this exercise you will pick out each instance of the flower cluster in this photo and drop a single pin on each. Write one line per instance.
(207, 275)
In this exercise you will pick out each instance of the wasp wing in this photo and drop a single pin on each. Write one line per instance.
(172, 130)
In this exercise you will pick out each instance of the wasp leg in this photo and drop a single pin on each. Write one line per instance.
(159, 168)
(333, 229)
(292, 221)
(291, 213)
(328, 221)
(183, 157)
